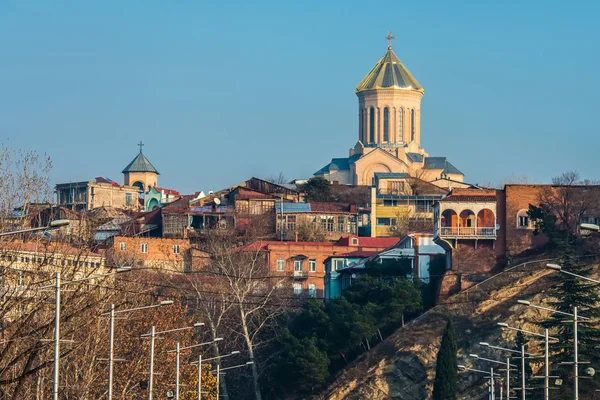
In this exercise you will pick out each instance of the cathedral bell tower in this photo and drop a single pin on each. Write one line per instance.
(389, 104)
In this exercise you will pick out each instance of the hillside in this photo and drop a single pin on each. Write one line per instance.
(403, 366)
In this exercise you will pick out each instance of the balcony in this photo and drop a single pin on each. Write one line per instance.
(300, 275)
(466, 232)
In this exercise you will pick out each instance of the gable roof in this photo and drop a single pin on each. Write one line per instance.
(140, 164)
(441, 163)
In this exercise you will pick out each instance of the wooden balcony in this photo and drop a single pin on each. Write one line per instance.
(463, 232)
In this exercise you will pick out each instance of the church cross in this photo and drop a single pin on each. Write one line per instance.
(140, 144)
(389, 37)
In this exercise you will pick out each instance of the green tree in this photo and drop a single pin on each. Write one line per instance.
(301, 366)
(446, 374)
(318, 189)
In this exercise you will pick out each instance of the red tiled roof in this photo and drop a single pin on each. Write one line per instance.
(317, 206)
(168, 191)
(359, 253)
(369, 241)
(468, 199)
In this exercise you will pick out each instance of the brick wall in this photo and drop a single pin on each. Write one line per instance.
(156, 253)
(518, 197)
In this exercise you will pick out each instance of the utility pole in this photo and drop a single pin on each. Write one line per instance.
(56, 339)
(218, 378)
(151, 377)
(546, 367)
(111, 348)
(522, 372)
(508, 377)
(177, 371)
(200, 377)
(492, 383)
(576, 366)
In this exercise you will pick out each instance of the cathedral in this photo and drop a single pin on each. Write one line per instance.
(389, 130)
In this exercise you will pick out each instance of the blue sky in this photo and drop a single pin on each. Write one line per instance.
(221, 91)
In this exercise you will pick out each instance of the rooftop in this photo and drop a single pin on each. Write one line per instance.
(140, 164)
(389, 73)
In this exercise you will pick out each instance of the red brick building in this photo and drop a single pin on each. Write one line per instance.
(303, 262)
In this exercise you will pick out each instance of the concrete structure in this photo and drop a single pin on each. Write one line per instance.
(389, 130)
(401, 204)
(89, 195)
(157, 197)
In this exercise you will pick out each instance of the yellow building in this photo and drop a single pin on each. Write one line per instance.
(401, 204)
(389, 130)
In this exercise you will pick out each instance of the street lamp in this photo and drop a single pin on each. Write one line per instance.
(219, 371)
(199, 362)
(575, 338)
(57, 285)
(491, 374)
(52, 225)
(508, 365)
(558, 268)
(152, 336)
(112, 313)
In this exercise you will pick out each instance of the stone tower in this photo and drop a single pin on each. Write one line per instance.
(140, 172)
(389, 105)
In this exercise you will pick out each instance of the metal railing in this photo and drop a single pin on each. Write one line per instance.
(300, 274)
(462, 231)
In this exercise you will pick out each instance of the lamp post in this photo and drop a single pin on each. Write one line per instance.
(111, 335)
(152, 335)
(199, 362)
(546, 354)
(220, 370)
(558, 268)
(508, 365)
(522, 352)
(575, 338)
(491, 374)
(590, 227)
(52, 225)
(57, 286)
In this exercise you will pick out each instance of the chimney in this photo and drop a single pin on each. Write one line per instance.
(296, 235)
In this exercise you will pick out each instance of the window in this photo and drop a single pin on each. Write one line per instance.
(297, 265)
(523, 221)
(424, 206)
(144, 248)
(341, 223)
(176, 249)
(297, 288)
(395, 187)
(20, 278)
(386, 221)
(390, 203)
(371, 125)
(355, 241)
(312, 265)
(400, 122)
(338, 264)
(327, 223)
(128, 199)
(123, 246)
(412, 125)
(386, 124)
(280, 264)
(291, 223)
(312, 290)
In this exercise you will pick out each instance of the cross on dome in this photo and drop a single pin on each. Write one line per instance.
(390, 37)
(141, 145)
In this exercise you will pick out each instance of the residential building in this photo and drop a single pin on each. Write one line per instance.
(417, 249)
(401, 204)
(159, 254)
(389, 130)
(333, 219)
(86, 195)
(303, 262)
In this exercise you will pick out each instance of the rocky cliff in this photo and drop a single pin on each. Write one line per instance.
(403, 366)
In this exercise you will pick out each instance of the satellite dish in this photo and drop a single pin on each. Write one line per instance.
(217, 201)
(353, 275)
(497, 227)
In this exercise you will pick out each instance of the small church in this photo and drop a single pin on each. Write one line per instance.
(389, 130)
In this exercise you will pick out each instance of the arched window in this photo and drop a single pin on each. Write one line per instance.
(361, 127)
(400, 122)
(523, 220)
(412, 125)
(386, 124)
(371, 125)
